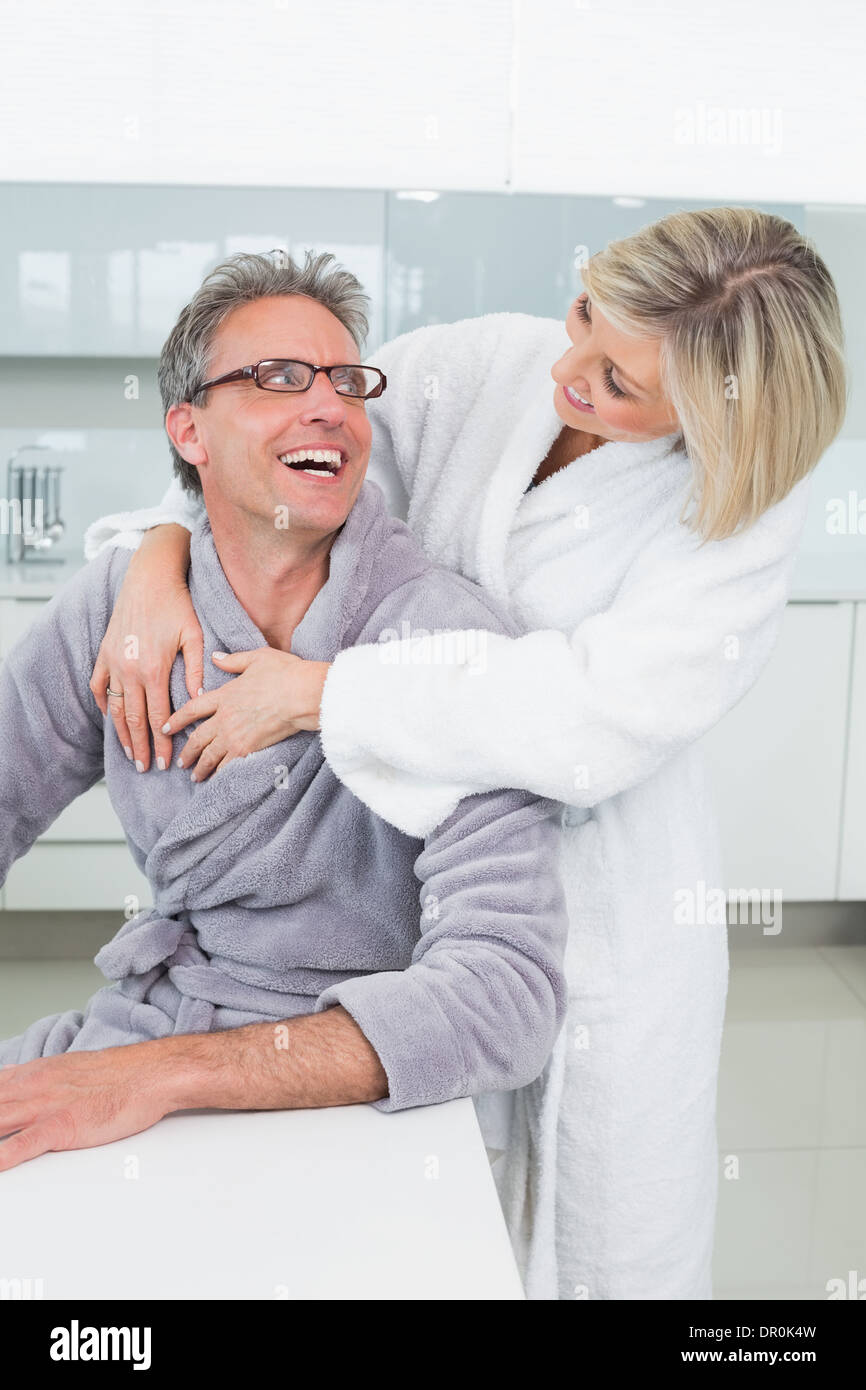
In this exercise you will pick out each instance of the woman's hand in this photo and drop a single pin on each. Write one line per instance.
(275, 695)
(153, 619)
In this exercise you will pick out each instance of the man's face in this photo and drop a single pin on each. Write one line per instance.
(238, 438)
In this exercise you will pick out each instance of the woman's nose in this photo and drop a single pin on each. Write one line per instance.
(568, 368)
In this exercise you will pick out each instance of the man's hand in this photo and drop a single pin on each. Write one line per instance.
(79, 1100)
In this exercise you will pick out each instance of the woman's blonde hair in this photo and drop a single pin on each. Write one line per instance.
(751, 352)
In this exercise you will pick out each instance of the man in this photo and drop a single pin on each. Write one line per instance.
(285, 962)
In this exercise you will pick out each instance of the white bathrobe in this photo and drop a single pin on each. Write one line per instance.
(638, 640)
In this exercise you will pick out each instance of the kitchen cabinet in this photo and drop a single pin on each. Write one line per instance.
(852, 866)
(81, 875)
(328, 94)
(82, 861)
(778, 760)
(94, 270)
(16, 615)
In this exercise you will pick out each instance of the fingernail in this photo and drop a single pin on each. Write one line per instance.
(221, 655)
(160, 762)
(127, 751)
(180, 761)
(139, 765)
(200, 691)
(165, 727)
(193, 777)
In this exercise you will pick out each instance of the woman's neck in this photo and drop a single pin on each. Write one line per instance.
(569, 444)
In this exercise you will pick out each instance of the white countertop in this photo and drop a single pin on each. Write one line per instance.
(818, 579)
(39, 579)
(335, 1203)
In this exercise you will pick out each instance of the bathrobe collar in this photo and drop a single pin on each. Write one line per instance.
(515, 468)
(513, 461)
(322, 631)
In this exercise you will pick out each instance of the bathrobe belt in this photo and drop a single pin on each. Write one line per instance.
(151, 945)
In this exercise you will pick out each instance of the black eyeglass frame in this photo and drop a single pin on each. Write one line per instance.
(252, 373)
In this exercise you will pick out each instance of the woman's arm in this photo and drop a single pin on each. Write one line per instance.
(153, 619)
(578, 717)
(413, 726)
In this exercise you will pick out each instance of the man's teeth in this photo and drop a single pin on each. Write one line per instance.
(326, 456)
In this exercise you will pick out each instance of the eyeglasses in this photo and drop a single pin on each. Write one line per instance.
(284, 374)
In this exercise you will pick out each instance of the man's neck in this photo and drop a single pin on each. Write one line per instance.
(274, 574)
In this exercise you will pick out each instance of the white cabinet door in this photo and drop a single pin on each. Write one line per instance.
(82, 861)
(99, 270)
(777, 760)
(16, 615)
(852, 868)
(89, 817)
(86, 877)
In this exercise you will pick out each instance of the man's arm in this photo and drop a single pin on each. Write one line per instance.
(301, 1064)
(51, 731)
(82, 1099)
(478, 1009)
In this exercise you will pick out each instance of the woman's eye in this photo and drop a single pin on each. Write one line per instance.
(607, 376)
(611, 385)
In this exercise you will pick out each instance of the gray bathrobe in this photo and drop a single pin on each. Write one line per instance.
(276, 892)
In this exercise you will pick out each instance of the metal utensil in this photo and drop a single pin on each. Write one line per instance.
(55, 524)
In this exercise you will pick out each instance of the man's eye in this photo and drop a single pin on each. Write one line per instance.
(351, 380)
(284, 374)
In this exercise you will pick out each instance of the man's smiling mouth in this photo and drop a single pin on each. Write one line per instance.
(316, 463)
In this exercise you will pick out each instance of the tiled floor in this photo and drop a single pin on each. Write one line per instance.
(792, 1111)
(792, 1124)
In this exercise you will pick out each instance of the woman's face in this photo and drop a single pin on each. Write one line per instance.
(608, 384)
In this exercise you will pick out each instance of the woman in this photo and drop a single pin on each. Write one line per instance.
(642, 529)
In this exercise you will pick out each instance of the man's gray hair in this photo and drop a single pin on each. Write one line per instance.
(242, 279)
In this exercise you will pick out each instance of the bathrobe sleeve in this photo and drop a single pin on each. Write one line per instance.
(51, 729)
(577, 715)
(480, 1006)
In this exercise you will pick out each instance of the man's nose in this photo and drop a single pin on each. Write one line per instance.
(321, 402)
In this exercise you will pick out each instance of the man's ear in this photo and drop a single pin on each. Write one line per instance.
(182, 430)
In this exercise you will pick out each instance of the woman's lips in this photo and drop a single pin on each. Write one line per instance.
(576, 402)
